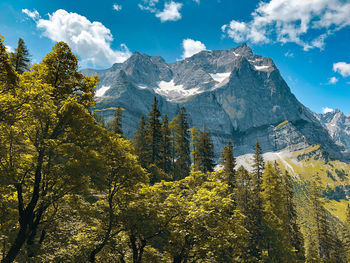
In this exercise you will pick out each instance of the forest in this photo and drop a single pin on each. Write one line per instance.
(74, 189)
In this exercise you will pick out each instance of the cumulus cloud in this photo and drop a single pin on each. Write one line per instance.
(289, 21)
(32, 14)
(191, 47)
(9, 48)
(91, 41)
(332, 80)
(117, 7)
(343, 68)
(326, 110)
(171, 12)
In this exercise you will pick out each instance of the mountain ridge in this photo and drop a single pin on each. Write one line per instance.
(235, 94)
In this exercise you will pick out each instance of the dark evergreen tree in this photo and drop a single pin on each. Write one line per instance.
(295, 236)
(140, 142)
(153, 135)
(229, 163)
(256, 245)
(195, 153)
(245, 203)
(117, 122)
(182, 145)
(20, 59)
(206, 151)
(165, 147)
(330, 247)
(346, 233)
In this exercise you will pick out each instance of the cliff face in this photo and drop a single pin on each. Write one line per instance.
(235, 94)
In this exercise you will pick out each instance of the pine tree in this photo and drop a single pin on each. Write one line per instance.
(153, 135)
(244, 201)
(117, 123)
(330, 248)
(182, 145)
(195, 153)
(347, 233)
(229, 163)
(295, 236)
(165, 147)
(258, 214)
(20, 58)
(206, 150)
(140, 142)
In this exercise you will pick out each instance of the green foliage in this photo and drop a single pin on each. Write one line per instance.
(179, 125)
(117, 122)
(20, 58)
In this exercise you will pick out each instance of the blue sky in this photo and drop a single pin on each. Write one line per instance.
(309, 41)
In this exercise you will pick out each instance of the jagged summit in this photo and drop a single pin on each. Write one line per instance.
(236, 94)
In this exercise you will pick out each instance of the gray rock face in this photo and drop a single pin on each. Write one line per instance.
(234, 94)
(338, 127)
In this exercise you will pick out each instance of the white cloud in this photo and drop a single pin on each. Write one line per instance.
(197, 1)
(289, 21)
(289, 54)
(117, 7)
(326, 110)
(32, 14)
(191, 47)
(9, 48)
(343, 68)
(90, 40)
(332, 80)
(171, 12)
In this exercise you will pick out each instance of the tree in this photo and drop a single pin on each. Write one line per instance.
(276, 242)
(117, 123)
(229, 163)
(206, 153)
(165, 147)
(153, 135)
(182, 145)
(121, 175)
(20, 59)
(35, 147)
(295, 236)
(347, 232)
(140, 142)
(195, 154)
(258, 213)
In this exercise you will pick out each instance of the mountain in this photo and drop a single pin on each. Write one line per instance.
(338, 127)
(234, 94)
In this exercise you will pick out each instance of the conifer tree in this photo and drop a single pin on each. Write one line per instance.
(206, 150)
(229, 163)
(330, 248)
(195, 153)
(117, 123)
(294, 233)
(347, 233)
(276, 238)
(182, 145)
(165, 146)
(258, 214)
(20, 58)
(140, 142)
(153, 135)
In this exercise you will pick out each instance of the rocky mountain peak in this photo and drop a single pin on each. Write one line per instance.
(236, 94)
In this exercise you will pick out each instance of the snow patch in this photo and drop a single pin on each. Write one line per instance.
(142, 86)
(220, 77)
(236, 54)
(101, 91)
(262, 68)
(174, 92)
